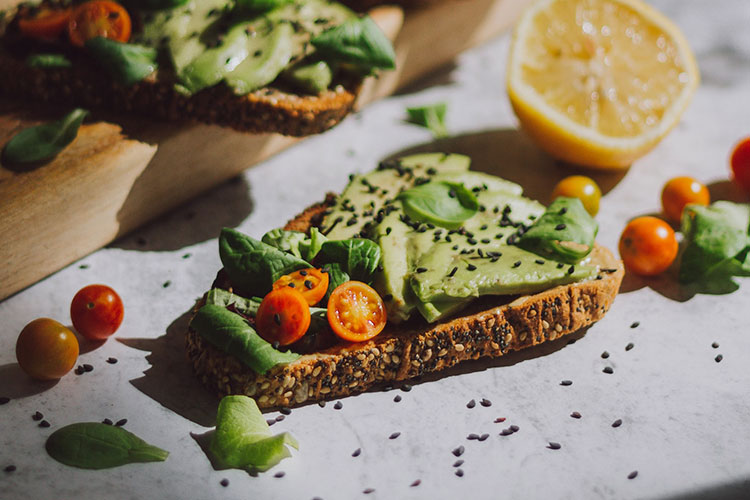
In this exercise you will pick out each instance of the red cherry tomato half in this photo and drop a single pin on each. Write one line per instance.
(648, 246)
(283, 316)
(312, 283)
(99, 18)
(46, 350)
(96, 311)
(45, 23)
(740, 162)
(356, 312)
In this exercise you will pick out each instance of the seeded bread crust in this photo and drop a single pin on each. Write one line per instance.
(491, 327)
(269, 110)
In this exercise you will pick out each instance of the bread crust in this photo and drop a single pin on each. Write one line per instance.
(491, 327)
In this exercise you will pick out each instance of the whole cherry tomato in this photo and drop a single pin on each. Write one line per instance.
(356, 312)
(648, 246)
(46, 350)
(680, 191)
(581, 187)
(311, 283)
(99, 18)
(740, 162)
(283, 316)
(96, 311)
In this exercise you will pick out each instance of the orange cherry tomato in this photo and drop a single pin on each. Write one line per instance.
(680, 191)
(356, 312)
(96, 311)
(46, 23)
(581, 187)
(311, 283)
(283, 316)
(46, 350)
(740, 162)
(99, 18)
(648, 246)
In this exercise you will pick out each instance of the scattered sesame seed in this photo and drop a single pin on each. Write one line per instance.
(471, 404)
(633, 474)
(111, 360)
(575, 414)
(715, 345)
(322, 404)
(629, 346)
(357, 452)
(309, 285)
(270, 421)
(79, 370)
(421, 269)
(458, 463)
(44, 423)
(397, 398)
(121, 422)
(485, 402)
(166, 284)
(617, 423)
(608, 370)
(719, 358)
(563, 211)
(499, 420)
(285, 411)
(506, 432)
(88, 368)
(37, 416)
(458, 451)
(472, 436)
(406, 387)
(367, 491)
(566, 382)
(459, 472)
(471, 267)
(560, 265)
(486, 241)
(338, 405)
(279, 418)
(280, 474)
(483, 437)
(635, 324)
(539, 261)
(571, 269)
(514, 428)
(303, 273)
(224, 482)
(10, 468)
(4, 400)
(453, 272)
(554, 446)
(416, 483)
(394, 435)
(560, 227)
(605, 355)
(107, 421)
(277, 318)
(517, 263)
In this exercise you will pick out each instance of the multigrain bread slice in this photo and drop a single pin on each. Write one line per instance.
(491, 327)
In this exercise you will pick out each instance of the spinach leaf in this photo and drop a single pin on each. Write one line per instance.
(311, 246)
(717, 242)
(565, 232)
(48, 61)
(431, 117)
(357, 41)
(223, 298)
(359, 257)
(446, 204)
(155, 4)
(232, 334)
(252, 265)
(45, 141)
(287, 241)
(243, 438)
(336, 277)
(125, 62)
(93, 445)
(261, 5)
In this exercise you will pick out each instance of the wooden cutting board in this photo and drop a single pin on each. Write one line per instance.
(113, 178)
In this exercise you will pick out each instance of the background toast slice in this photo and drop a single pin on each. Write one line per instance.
(490, 327)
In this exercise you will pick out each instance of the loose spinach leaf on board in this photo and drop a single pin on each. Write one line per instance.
(446, 204)
(125, 62)
(223, 298)
(243, 439)
(252, 265)
(359, 257)
(43, 142)
(359, 42)
(93, 445)
(287, 241)
(336, 276)
(565, 232)
(232, 334)
(431, 117)
(717, 242)
(48, 61)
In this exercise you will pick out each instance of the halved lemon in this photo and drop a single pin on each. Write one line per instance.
(599, 82)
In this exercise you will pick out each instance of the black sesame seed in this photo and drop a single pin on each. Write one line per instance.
(79, 370)
(485, 240)
(224, 482)
(514, 428)
(452, 193)
(571, 269)
(338, 405)
(107, 421)
(87, 367)
(483, 437)
(575, 414)
(617, 423)
(605, 355)
(459, 473)
(483, 227)
(37, 416)
(357, 452)
(279, 418)
(291, 285)
(560, 265)
(608, 369)
(421, 270)
(517, 263)
(309, 285)
(499, 420)
(633, 474)
(394, 435)
(471, 267)
(506, 432)
(472, 437)
(458, 451)
(166, 284)
(416, 483)
(4, 400)
(111, 360)
(453, 272)
(539, 261)
(406, 387)
(498, 236)
(635, 324)
(270, 421)
(397, 398)
(471, 241)
(280, 474)
(322, 404)
(44, 423)
(10, 468)
(629, 346)
(485, 402)
(277, 318)
(719, 358)
(471, 404)
(458, 463)
(566, 382)
(367, 491)
(560, 227)
(387, 297)
(715, 345)
(554, 446)
(121, 422)
(563, 211)
(388, 230)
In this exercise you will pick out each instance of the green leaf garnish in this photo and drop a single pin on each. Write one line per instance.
(358, 257)
(223, 298)
(125, 62)
(243, 439)
(565, 232)
(93, 445)
(336, 276)
(48, 61)
(446, 204)
(286, 241)
(44, 142)
(357, 41)
(431, 117)
(232, 334)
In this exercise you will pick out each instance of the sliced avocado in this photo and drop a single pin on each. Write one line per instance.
(441, 161)
(268, 55)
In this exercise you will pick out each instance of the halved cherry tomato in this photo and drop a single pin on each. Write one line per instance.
(46, 23)
(96, 311)
(46, 350)
(311, 283)
(283, 316)
(99, 18)
(581, 187)
(648, 246)
(740, 162)
(680, 191)
(356, 312)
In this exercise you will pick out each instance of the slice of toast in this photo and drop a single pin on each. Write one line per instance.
(490, 327)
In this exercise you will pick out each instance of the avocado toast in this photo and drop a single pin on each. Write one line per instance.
(456, 285)
(291, 67)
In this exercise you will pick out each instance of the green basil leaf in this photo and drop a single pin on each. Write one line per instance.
(48, 61)
(232, 334)
(446, 204)
(357, 41)
(336, 276)
(565, 232)
(359, 257)
(44, 142)
(243, 439)
(716, 242)
(223, 298)
(431, 117)
(126, 63)
(286, 241)
(252, 265)
(261, 5)
(93, 445)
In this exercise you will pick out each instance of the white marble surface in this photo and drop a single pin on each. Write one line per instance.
(685, 417)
